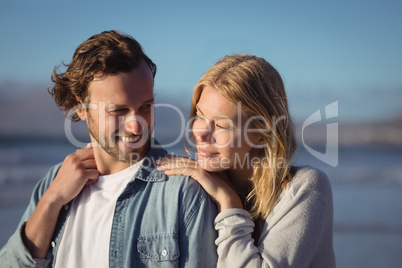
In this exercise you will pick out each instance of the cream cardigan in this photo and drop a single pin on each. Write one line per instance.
(297, 233)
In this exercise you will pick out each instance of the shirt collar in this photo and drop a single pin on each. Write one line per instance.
(148, 171)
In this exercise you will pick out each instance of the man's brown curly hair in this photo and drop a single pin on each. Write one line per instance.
(107, 53)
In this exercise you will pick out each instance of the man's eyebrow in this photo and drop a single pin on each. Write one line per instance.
(114, 106)
(119, 106)
(150, 100)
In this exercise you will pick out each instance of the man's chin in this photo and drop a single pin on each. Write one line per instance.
(132, 156)
(126, 154)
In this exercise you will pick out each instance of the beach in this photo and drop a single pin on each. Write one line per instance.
(366, 184)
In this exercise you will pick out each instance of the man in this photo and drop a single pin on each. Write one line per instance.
(108, 206)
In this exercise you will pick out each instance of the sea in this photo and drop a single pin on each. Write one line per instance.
(366, 183)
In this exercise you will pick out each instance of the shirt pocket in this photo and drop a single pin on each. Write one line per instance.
(159, 250)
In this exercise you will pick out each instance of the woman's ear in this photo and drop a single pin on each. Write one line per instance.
(81, 110)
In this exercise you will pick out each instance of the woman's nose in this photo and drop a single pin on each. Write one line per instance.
(203, 134)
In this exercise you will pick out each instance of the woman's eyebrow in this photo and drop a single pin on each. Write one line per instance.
(198, 108)
(222, 117)
(218, 117)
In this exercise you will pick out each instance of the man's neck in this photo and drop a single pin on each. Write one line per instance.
(106, 164)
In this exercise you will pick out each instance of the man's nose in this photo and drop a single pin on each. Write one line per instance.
(134, 124)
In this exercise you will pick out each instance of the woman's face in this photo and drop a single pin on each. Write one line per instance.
(223, 136)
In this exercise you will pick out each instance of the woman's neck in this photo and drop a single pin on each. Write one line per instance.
(241, 182)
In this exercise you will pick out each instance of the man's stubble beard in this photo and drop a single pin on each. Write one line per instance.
(131, 156)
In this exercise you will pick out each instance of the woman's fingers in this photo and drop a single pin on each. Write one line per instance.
(174, 159)
(170, 162)
(177, 169)
(216, 184)
(178, 165)
(180, 171)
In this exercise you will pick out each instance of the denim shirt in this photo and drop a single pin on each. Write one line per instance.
(159, 221)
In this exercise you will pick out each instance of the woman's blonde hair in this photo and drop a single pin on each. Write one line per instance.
(258, 86)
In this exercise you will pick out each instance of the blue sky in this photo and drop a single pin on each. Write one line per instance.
(345, 51)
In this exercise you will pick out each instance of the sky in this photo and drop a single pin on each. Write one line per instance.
(326, 51)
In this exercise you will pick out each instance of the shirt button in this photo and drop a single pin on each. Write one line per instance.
(65, 207)
(164, 252)
(53, 244)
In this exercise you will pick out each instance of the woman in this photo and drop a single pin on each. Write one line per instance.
(271, 214)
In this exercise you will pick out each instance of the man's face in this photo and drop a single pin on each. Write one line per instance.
(120, 114)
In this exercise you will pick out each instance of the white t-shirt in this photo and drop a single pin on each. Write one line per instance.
(86, 238)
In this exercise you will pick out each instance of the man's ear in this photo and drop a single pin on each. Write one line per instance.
(81, 110)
